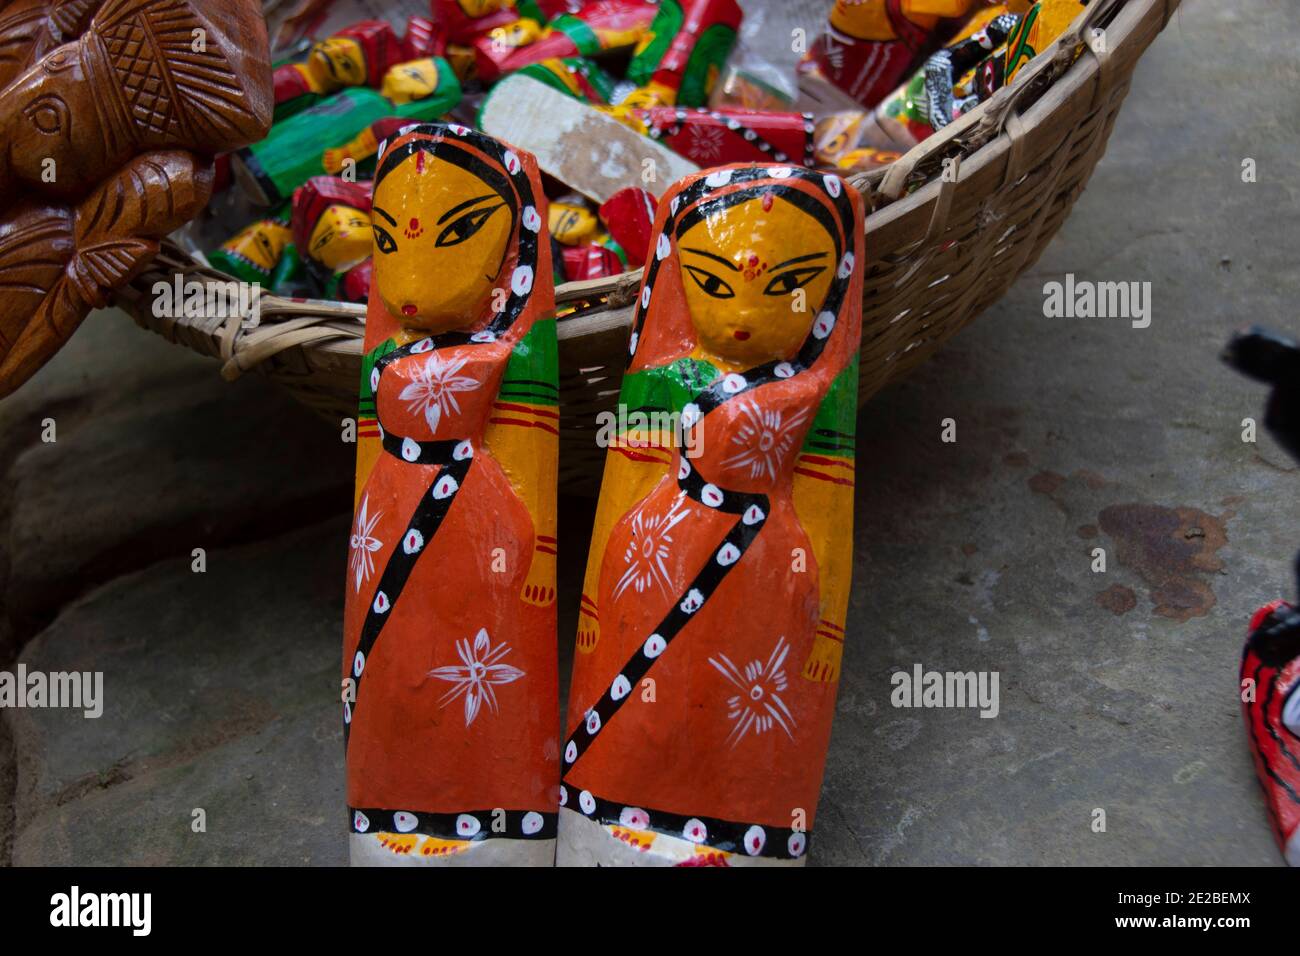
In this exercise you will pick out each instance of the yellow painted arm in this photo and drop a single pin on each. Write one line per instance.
(524, 439)
(823, 500)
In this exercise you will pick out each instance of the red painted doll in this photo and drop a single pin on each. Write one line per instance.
(449, 663)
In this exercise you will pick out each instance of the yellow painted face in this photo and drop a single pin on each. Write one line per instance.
(337, 62)
(755, 276)
(440, 243)
(514, 35)
(341, 238)
(651, 95)
(409, 81)
(571, 223)
(262, 243)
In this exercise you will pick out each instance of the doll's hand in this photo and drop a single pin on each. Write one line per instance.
(539, 585)
(588, 625)
(823, 663)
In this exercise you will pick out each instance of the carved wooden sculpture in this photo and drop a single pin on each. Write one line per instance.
(1270, 663)
(713, 610)
(107, 147)
(450, 682)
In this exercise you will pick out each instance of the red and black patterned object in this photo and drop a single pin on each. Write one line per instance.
(718, 137)
(1270, 665)
(1270, 674)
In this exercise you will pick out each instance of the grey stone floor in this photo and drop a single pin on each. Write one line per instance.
(1118, 690)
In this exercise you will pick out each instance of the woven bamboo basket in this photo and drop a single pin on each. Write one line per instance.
(953, 223)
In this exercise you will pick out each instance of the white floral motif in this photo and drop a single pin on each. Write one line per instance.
(706, 141)
(480, 669)
(363, 545)
(433, 387)
(764, 438)
(648, 550)
(758, 706)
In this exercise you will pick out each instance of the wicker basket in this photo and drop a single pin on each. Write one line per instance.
(941, 247)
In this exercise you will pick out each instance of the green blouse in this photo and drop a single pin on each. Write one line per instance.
(668, 388)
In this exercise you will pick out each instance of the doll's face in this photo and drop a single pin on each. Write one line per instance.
(571, 223)
(514, 35)
(440, 241)
(338, 61)
(261, 243)
(341, 238)
(414, 80)
(755, 275)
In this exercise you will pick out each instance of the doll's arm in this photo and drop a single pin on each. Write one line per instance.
(636, 459)
(524, 439)
(523, 435)
(634, 463)
(823, 500)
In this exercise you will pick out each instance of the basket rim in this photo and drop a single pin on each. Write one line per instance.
(913, 182)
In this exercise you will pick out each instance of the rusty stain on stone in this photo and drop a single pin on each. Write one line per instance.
(1174, 550)
(1117, 599)
(1086, 531)
(1090, 478)
(1046, 483)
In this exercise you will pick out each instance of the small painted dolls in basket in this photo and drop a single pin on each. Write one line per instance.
(713, 610)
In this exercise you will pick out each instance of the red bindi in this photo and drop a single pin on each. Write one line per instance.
(767, 202)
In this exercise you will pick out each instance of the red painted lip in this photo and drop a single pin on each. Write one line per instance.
(741, 334)
(408, 310)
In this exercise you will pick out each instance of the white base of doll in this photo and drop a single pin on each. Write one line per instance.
(366, 849)
(584, 842)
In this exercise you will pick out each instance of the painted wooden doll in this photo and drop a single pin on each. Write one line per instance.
(713, 609)
(331, 227)
(449, 666)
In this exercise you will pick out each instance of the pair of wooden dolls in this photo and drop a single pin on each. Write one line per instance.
(713, 610)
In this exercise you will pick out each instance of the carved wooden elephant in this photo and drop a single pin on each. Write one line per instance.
(110, 115)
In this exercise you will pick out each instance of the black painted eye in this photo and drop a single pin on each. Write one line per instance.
(788, 281)
(325, 239)
(383, 241)
(709, 283)
(460, 229)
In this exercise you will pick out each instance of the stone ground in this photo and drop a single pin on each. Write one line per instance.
(1118, 690)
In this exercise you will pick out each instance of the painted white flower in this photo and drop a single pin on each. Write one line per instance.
(363, 545)
(763, 439)
(648, 549)
(479, 671)
(433, 387)
(706, 141)
(758, 705)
